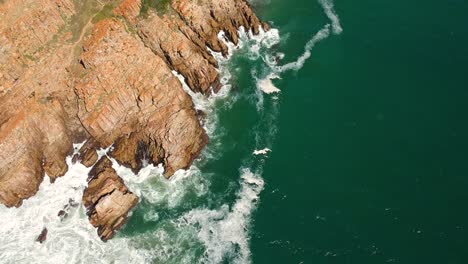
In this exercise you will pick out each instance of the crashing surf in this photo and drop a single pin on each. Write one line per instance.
(210, 235)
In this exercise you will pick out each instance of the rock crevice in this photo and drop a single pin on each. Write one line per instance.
(72, 71)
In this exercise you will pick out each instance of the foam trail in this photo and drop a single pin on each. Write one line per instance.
(329, 8)
(297, 65)
(266, 85)
(222, 232)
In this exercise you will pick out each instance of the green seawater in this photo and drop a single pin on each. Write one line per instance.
(369, 141)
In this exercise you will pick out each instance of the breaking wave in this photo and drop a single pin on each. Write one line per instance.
(70, 238)
(183, 223)
(224, 231)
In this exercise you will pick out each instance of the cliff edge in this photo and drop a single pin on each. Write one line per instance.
(101, 72)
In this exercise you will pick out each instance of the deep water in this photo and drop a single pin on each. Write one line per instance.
(368, 160)
(370, 163)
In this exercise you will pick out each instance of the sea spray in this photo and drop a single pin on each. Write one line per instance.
(266, 84)
(206, 232)
(329, 8)
(225, 230)
(151, 185)
(70, 238)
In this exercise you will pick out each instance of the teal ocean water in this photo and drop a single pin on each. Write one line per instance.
(362, 157)
(369, 164)
(368, 138)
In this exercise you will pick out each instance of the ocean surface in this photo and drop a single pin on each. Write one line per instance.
(340, 136)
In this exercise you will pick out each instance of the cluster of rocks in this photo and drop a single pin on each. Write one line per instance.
(68, 74)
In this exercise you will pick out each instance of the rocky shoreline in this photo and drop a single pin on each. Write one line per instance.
(101, 72)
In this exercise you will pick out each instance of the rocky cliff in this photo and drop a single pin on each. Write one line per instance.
(101, 71)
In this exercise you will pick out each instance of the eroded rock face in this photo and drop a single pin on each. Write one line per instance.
(165, 37)
(142, 106)
(71, 71)
(107, 200)
(31, 144)
(35, 131)
(208, 17)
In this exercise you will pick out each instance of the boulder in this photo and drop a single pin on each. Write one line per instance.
(107, 200)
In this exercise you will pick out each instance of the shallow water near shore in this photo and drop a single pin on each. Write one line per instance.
(361, 156)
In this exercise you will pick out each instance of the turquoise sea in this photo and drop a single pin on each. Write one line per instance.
(369, 140)
(370, 162)
(362, 155)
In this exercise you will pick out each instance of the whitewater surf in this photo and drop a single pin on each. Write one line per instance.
(182, 220)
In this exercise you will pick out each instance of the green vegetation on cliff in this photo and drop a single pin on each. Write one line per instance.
(161, 6)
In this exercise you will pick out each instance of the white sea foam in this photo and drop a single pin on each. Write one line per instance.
(225, 232)
(261, 151)
(222, 232)
(69, 240)
(266, 84)
(207, 103)
(329, 8)
(151, 184)
(299, 63)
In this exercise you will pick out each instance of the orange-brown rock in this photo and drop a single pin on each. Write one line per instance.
(208, 17)
(72, 71)
(107, 200)
(32, 141)
(130, 96)
(87, 154)
(165, 37)
(35, 131)
(26, 26)
(129, 9)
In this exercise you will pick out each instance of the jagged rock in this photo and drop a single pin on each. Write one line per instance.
(66, 77)
(207, 18)
(32, 141)
(192, 61)
(64, 212)
(107, 200)
(140, 104)
(87, 155)
(35, 132)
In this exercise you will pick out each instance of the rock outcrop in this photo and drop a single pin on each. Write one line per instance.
(142, 106)
(72, 71)
(207, 18)
(166, 37)
(107, 199)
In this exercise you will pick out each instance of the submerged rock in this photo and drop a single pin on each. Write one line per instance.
(43, 236)
(107, 200)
